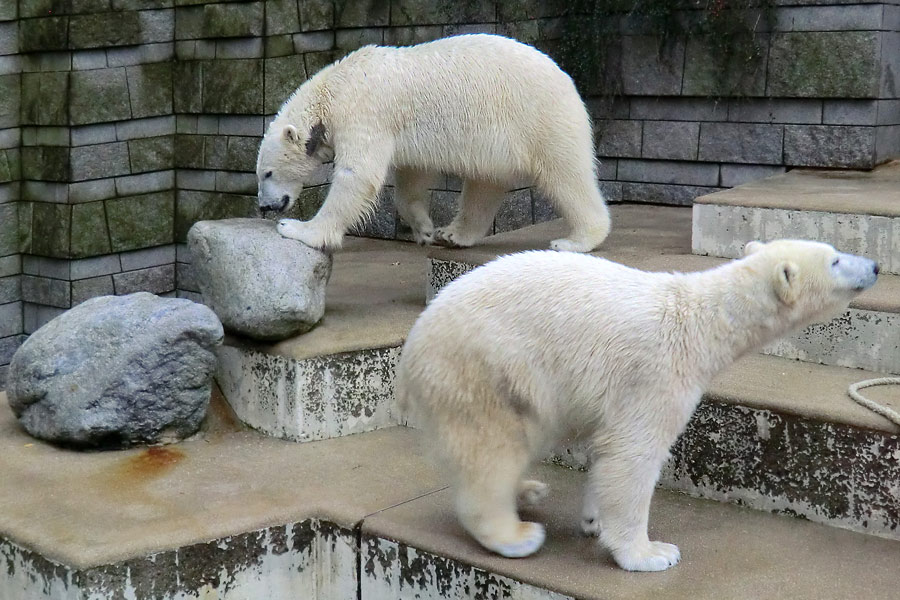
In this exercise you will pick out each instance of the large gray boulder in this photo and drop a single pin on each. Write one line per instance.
(117, 371)
(261, 284)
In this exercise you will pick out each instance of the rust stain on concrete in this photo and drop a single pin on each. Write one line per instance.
(150, 463)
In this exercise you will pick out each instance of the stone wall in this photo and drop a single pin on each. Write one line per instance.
(824, 93)
(122, 122)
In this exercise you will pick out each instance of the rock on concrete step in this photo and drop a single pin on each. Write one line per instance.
(117, 371)
(855, 211)
(261, 284)
(337, 379)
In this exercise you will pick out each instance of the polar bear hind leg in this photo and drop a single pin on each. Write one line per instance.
(590, 524)
(478, 205)
(486, 503)
(411, 199)
(486, 473)
(578, 200)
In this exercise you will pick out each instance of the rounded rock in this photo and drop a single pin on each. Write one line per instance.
(117, 371)
(260, 284)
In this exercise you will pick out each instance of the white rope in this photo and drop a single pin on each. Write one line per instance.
(884, 411)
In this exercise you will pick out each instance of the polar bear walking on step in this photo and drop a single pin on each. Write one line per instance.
(541, 347)
(484, 107)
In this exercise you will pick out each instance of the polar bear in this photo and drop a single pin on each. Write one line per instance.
(484, 107)
(541, 347)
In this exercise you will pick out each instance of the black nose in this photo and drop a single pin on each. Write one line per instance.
(876, 269)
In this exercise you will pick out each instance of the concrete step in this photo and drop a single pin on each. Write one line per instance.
(231, 514)
(727, 552)
(856, 211)
(337, 379)
(783, 436)
(237, 515)
(657, 238)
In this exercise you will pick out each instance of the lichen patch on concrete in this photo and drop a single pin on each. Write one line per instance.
(861, 339)
(311, 559)
(391, 570)
(825, 472)
(442, 272)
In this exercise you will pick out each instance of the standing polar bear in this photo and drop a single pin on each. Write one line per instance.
(542, 347)
(484, 107)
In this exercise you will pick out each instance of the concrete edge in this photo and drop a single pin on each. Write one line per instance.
(883, 297)
(825, 190)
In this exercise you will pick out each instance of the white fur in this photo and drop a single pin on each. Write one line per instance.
(484, 107)
(542, 347)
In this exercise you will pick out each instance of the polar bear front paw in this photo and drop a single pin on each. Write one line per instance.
(567, 245)
(445, 238)
(301, 231)
(652, 556)
(531, 492)
(530, 538)
(590, 526)
(424, 238)
(451, 239)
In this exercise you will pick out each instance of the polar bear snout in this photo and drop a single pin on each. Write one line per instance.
(274, 205)
(855, 272)
(277, 192)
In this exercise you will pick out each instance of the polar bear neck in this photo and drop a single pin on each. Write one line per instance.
(724, 312)
(308, 105)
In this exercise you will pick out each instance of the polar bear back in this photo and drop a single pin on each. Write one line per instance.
(558, 324)
(547, 293)
(458, 104)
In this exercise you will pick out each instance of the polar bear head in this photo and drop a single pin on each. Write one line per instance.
(287, 156)
(812, 281)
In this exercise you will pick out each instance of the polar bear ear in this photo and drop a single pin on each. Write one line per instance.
(290, 134)
(786, 283)
(752, 247)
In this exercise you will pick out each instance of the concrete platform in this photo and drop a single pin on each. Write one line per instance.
(87, 509)
(236, 515)
(856, 211)
(658, 238)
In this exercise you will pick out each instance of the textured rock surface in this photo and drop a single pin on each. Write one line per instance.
(117, 371)
(260, 284)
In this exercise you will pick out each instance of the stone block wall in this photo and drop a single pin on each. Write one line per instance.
(122, 122)
(12, 331)
(825, 92)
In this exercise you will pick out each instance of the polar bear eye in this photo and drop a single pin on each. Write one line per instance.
(267, 175)
(835, 262)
